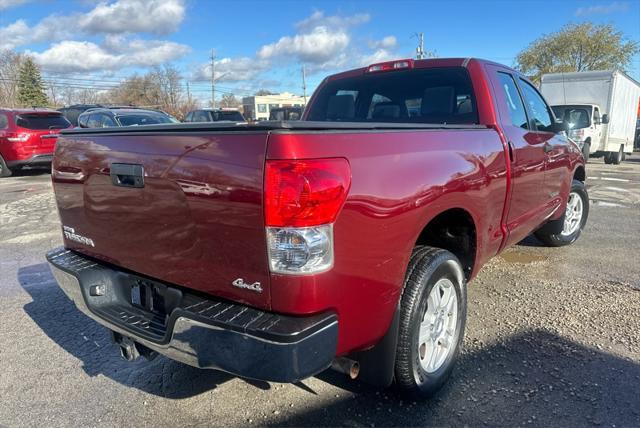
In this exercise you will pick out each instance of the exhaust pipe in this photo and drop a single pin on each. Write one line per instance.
(347, 366)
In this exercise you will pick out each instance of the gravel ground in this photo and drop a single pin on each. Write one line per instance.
(553, 338)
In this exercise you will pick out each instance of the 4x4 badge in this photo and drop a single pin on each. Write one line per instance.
(252, 287)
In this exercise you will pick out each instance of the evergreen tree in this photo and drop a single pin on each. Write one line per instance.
(31, 91)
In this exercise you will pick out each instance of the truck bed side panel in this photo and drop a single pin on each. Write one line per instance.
(400, 181)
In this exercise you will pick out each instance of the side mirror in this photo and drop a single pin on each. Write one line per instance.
(605, 118)
(559, 126)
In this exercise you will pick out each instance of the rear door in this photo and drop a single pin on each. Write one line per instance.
(527, 154)
(193, 219)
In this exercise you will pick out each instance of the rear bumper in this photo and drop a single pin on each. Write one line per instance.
(35, 160)
(200, 331)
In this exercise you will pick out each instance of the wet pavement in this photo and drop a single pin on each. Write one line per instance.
(553, 338)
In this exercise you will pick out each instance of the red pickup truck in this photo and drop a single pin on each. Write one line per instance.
(278, 249)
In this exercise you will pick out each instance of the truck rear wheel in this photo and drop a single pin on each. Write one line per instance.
(575, 218)
(433, 312)
(614, 157)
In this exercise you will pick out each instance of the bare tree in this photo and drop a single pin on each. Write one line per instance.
(230, 101)
(10, 63)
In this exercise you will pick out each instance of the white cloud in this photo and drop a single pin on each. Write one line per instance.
(232, 69)
(603, 9)
(134, 16)
(75, 56)
(120, 17)
(388, 42)
(319, 45)
(6, 4)
(318, 19)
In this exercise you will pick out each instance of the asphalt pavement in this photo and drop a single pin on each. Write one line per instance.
(553, 339)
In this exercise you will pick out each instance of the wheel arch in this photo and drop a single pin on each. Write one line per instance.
(580, 173)
(454, 230)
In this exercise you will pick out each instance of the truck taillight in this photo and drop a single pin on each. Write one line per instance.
(302, 200)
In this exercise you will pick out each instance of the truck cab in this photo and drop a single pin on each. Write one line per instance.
(586, 124)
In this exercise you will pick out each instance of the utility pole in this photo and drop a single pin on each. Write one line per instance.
(213, 80)
(188, 93)
(420, 49)
(304, 84)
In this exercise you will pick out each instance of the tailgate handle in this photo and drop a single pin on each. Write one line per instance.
(127, 175)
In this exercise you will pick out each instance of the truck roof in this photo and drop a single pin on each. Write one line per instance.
(419, 63)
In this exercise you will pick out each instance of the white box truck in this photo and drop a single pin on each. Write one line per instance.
(601, 106)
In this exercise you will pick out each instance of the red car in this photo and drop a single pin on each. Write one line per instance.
(276, 250)
(28, 137)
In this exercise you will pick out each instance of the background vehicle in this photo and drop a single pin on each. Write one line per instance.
(28, 137)
(610, 100)
(122, 116)
(285, 113)
(275, 250)
(214, 115)
(72, 112)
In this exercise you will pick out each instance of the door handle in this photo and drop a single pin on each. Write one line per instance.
(547, 147)
(127, 175)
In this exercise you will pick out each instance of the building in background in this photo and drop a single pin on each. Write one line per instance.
(258, 107)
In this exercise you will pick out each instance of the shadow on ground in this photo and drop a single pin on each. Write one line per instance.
(532, 378)
(86, 340)
(28, 172)
(535, 377)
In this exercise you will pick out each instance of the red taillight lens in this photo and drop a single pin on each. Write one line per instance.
(300, 193)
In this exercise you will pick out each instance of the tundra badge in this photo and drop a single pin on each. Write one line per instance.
(71, 235)
(252, 287)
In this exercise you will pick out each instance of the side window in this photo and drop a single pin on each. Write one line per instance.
(94, 121)
(517, 113)
(3, 121)
(201, 116)
(189, 117)
(596, 116)
(107, 121)
(538, 108)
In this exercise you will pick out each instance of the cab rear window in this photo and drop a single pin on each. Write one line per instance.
(433, 95)
(42, 121)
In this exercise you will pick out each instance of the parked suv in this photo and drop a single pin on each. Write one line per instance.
(123, 116)
(214, 115)
(28, 137)
(73, 112)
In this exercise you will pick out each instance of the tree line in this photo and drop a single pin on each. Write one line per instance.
(22, 85)
(575, 47)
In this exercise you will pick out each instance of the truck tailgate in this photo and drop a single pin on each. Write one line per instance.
(196, 221)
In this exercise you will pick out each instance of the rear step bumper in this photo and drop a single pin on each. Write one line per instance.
(200, 331)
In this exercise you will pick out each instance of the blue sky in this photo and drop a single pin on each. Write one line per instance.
(264, 44)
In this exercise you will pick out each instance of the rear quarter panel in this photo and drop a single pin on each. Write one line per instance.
(400, 181)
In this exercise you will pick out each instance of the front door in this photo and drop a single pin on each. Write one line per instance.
(527, 156)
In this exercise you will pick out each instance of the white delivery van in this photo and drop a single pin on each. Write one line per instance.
(601, 107)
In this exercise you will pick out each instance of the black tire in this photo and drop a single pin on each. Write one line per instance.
(617, 158)
(586, 150)
(428, 265)
(4, 169)
(558, 239)
(608, 159)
